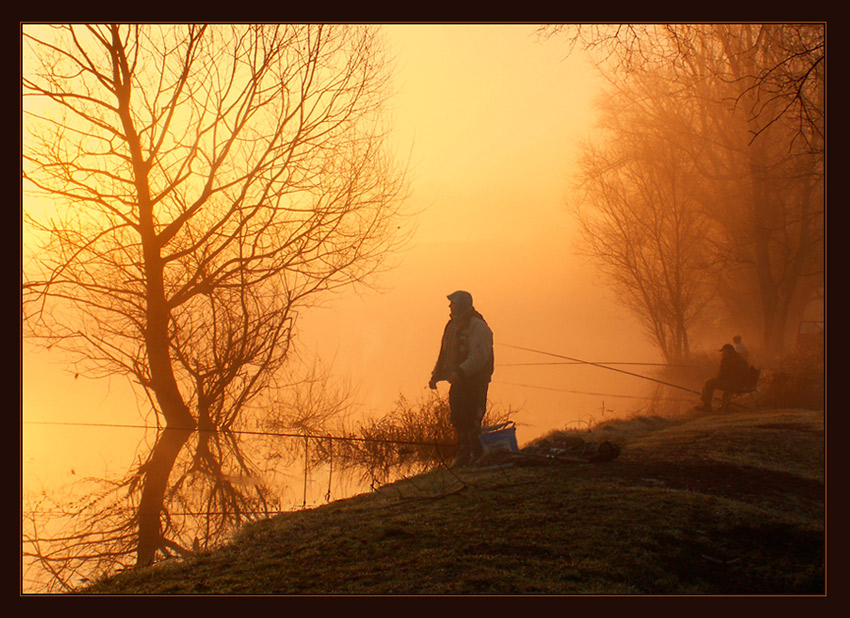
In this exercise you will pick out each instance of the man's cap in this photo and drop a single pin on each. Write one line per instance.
(461, 298)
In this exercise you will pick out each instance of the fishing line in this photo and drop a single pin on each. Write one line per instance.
(581, 362)
(565, 390)
(312, 436)
(584, 362)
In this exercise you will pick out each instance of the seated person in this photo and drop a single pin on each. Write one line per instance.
(734, 376)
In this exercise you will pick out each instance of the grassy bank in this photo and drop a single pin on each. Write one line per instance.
(711, 504)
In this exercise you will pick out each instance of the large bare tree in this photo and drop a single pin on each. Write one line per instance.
(638, 204)
(748, 114)
(190, 188)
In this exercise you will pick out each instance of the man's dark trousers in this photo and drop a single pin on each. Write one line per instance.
(467, 402)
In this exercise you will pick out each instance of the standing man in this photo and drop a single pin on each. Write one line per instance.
(466, 362)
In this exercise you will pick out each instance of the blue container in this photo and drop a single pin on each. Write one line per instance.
(499, 438)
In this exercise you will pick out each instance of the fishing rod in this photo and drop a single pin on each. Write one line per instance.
(584, 362)
(561, 363)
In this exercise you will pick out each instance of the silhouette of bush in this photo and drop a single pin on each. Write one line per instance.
(414, 436)
(799, 382)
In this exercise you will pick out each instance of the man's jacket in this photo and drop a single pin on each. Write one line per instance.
(734, 372)
(466, 348)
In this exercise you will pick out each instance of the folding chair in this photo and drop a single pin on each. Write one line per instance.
(751, 389)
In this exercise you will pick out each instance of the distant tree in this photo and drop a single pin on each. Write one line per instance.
(640, 213)
(748, 112)
(766, 164)
(200, 185)
(789, 82)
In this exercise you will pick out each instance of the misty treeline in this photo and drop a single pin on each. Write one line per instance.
(189, 189)
(701, 192)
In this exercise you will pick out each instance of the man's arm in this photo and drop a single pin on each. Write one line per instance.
(436, 373)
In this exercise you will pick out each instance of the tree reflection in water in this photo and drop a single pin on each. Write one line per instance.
(194, 489)
(197, 487)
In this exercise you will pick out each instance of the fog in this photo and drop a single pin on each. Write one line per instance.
(489, 119)
(490, 124)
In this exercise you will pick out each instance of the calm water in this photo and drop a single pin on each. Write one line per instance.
(78, 430)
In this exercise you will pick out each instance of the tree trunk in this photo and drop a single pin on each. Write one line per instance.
(158, 469)
(157, 341)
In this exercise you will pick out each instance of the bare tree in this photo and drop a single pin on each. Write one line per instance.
(201, 185)
(748, 114)
(768, 182)
(640, 213)
(788, 83)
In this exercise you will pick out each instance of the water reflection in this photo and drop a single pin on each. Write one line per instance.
(192, 490)
(187, 493)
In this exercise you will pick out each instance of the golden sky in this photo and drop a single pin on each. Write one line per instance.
(490, 118)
